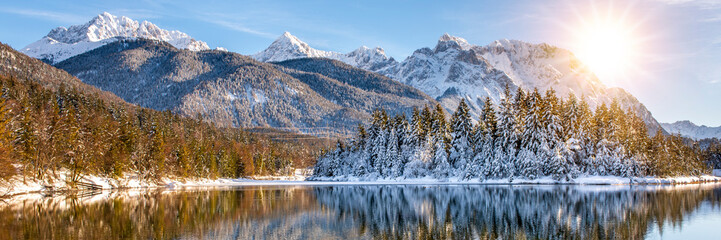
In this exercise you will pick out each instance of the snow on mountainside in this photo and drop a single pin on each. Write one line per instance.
(691, 130)
(456, 70)
(315, 96)
(62, 43)
(288, 47)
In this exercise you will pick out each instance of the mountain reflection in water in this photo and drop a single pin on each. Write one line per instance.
(361, 212)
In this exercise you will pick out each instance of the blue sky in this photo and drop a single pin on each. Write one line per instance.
(676, 73)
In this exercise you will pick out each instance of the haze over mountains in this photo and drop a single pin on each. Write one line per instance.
(690, 130)
(235, 90)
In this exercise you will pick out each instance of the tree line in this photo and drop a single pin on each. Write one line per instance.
(44, 131)
(528, 135)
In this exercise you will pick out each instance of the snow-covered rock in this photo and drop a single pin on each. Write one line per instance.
(62, 43)
(288, 47)
(691, 130)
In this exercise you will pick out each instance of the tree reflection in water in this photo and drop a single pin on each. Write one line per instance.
(351, 212)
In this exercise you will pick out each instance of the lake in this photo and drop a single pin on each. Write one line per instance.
(372, 212)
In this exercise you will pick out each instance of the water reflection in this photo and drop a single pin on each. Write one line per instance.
(365, 212)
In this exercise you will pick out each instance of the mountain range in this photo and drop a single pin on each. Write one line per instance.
(318, 96)
(690, 130)
(455, 69)
(292, 85)
(288, 47)
(62, 43)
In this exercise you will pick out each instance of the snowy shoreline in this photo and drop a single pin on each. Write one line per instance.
(16, 186)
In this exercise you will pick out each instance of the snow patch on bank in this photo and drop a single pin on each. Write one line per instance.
(583, 180)
(17, 186)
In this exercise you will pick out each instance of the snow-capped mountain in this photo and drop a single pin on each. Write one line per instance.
(288, 47)
(690, 130)
(455, 69)
(62, 43)
(316, 96)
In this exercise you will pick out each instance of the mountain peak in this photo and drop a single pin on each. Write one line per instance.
(289, 39)
(446, 41)
(62, 43)
(287, 34)
(689, 129)
(287, 47)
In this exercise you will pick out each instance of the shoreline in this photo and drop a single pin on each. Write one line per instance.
(16, 187)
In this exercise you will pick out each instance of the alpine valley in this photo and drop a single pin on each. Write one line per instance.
(118, 128)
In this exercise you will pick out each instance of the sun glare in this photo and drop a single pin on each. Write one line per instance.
(607, 48)
(607, 39)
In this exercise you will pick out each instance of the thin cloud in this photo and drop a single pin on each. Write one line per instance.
(711, 19)
(239, 27)
(47, 15)
(137, 14)
(703, 4)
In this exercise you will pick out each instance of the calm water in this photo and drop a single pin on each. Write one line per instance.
(373, 212)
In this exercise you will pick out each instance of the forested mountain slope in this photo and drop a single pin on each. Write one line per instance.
(233, 90)
(18, 65)
(50, 121)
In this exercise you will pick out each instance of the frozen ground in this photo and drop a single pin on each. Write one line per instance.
(17, 185)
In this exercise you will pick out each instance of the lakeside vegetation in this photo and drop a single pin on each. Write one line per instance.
(529, 135)
(44, 131)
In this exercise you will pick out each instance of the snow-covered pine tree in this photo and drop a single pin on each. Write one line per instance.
(441, 167)
(520, 111)
(438, 135)
(554, 133)
(419, 162)
(490, 123)
(425, 123)
(394, 164)
(380, 151)
(586, 129)
(505, 144)
(533, 152)
(376, 144)
(439, 126)
(482, 143)
(638, 147)
(360, 158)
(572, 130)
(559, 167)
(461, 128)
(401, 127)
(335, 166)
(410, 142)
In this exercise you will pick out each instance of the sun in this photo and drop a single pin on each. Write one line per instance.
(607, 48)
(610, 39)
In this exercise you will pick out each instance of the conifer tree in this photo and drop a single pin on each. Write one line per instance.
(395, 163)
(534, 150)
(505, 145)
(460, 150)
(441, 167)
(7, 170)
